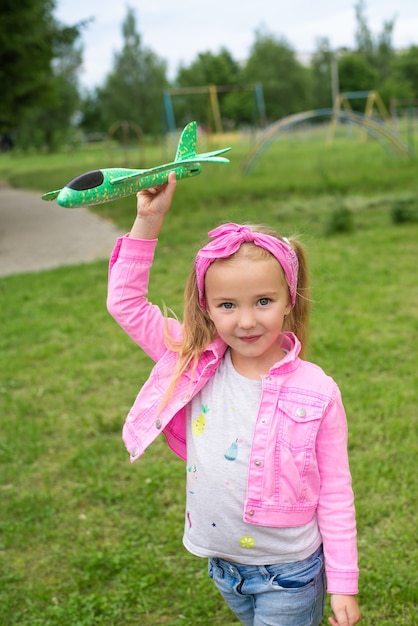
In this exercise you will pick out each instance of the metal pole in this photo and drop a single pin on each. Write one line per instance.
(335, 82)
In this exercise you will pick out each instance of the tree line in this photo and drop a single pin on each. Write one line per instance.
(43, 105)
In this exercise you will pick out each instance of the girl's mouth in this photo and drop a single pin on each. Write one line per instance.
(250, 339)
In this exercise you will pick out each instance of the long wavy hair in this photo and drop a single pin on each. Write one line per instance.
(198, 328)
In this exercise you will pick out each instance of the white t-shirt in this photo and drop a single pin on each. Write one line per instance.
(220, 429)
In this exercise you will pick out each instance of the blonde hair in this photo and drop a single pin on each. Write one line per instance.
(199, 330)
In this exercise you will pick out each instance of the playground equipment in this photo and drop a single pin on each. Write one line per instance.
(214, 109)
(372, 98)
(373, 101)
(377, 129)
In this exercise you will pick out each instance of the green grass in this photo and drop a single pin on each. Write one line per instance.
(88, 539)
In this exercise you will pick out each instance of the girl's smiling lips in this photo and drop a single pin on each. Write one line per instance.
(249, 338)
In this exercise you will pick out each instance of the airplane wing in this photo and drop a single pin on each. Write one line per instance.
(169, 167)
(51, 195)
(209, 155)
(144, 173)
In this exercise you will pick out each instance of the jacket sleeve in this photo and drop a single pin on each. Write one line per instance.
(336, 512)
(129, 270)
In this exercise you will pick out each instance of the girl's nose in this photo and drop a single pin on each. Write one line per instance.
(246, 318)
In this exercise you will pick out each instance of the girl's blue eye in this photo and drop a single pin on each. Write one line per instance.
(264, 301)
(227, 305)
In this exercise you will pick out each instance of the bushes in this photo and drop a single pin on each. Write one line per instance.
(341, 220)
(404, 211)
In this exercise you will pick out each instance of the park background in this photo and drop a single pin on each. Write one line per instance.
(88, 539)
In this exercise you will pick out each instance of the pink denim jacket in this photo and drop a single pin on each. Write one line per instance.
(299, 463)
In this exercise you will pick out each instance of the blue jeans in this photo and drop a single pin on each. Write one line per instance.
(286, 594)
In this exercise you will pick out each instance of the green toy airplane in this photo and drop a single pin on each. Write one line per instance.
(99, 186)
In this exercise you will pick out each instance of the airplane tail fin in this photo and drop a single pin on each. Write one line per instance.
(186, 148)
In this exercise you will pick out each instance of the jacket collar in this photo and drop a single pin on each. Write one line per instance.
(291, 344)
(216, 348)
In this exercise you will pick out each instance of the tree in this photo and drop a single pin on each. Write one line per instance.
(379, 52)
(356, 73)
(363, 36)
(92, 117)
(133, 89)
(220, 70)
(385, 52)
(26, 52)
(404, 70)
(210, 69)
(51, 123)
(32, 50)
(321, 70)
(286, 83)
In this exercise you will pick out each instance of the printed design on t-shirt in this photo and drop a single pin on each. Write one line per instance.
(198, 425)
(247, 542)
(189, 520)
(192, 476)
(232, 453)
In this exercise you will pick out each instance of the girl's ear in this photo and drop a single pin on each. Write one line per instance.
(288, 309)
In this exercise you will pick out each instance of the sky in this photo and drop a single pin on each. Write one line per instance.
(178, 30)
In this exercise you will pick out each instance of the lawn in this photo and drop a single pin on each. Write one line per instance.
(88, 539)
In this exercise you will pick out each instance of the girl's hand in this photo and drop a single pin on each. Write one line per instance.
(345, 609)
(152, 205)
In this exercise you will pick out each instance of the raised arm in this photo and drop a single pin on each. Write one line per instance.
(129, 271)
(152, 205)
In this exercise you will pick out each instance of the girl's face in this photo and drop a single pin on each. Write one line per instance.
(247, 300)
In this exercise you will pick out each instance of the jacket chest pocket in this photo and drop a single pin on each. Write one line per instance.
(299, 422)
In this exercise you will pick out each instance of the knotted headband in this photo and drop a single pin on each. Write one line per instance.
(228, 238)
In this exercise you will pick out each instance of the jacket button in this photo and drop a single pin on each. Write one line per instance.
(251, 513)
(185, 399)
(135, 452)
(158, 424)
(300, 412)
(258, 463)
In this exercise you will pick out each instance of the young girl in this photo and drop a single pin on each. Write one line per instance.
(263, 433)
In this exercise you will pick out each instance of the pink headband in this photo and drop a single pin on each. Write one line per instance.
(227, 239)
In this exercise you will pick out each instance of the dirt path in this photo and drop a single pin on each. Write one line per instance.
(37, 235)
